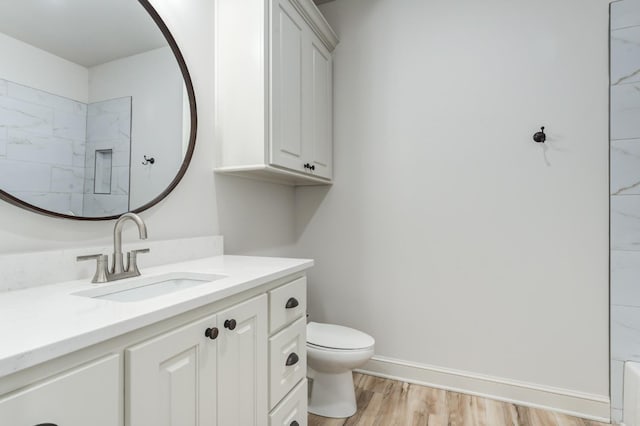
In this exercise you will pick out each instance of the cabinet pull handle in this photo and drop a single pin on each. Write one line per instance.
(292, 359)
(291, 303)
(230, 324)
(211, 333)
(294, 423)
(51, 424)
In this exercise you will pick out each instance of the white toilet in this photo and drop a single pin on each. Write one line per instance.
(333, 352)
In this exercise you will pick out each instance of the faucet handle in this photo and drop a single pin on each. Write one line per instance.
(144, 250)
(102, 261)
(132, 260)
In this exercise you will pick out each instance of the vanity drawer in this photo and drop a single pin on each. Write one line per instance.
(87, 395)
(287, 304)
(287, 360)
(293, 409)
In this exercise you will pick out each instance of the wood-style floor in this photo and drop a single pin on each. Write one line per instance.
(384, 402)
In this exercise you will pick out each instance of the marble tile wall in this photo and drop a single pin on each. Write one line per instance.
(625, 194)
(108, 128)
(47, 150)
(42, 139)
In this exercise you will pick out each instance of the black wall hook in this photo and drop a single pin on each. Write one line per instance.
(540, 136)
(149, 160)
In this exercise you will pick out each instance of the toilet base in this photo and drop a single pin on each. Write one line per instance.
(332, 395)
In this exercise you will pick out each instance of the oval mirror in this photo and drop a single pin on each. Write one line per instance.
(97, 110)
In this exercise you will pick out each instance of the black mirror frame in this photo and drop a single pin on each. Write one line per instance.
(192, 134)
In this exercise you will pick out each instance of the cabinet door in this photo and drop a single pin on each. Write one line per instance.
(88, 395)
(319, 146)
(171, 379)
(242, 364)
(287, 43)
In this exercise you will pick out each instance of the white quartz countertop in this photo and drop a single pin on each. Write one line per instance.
(42, 323)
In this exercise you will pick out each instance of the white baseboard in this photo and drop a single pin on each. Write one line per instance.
(588, 406)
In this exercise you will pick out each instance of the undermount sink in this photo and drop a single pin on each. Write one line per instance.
(137, 289)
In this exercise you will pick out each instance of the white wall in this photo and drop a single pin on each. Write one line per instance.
(256, 218)
(447, 236)
(33, 67)
(156, 129)
(192, 208)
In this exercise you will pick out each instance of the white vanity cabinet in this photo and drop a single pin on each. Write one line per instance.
(213, 365)
(86, 395)
(180, 377)
(274, 91)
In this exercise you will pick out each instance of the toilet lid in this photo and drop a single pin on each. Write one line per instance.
(337, 337)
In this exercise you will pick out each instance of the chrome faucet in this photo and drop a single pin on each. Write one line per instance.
(118, 271)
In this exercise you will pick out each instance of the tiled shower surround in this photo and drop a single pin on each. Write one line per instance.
(108, 129)
(47, 145)
(625, 194)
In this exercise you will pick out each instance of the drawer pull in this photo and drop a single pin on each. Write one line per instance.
(294, 423)
(292, 303)
(230, 324)
(292, 359)
(211, 333)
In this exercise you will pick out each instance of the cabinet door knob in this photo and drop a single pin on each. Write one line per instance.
(230, 324)
(291, 303)
(307, 166)
(211, 333)
(312, 167)
(294, 423)
(292, 359)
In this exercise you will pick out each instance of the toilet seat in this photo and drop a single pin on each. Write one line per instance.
(311, 347)
(337, 338)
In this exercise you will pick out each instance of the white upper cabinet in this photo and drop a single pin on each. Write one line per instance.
(274, 89)
(319, 135)
(288, 38)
